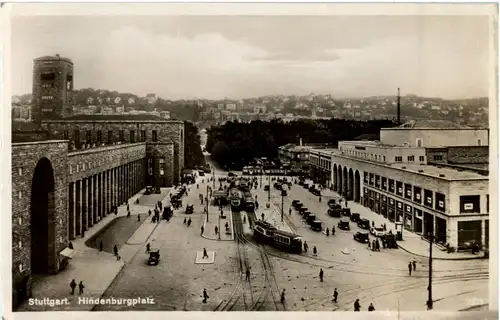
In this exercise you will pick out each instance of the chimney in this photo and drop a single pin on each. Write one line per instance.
(399, 108)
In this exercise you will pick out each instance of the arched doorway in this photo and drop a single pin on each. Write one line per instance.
(335, 177)
(357, 187)
(42, 218)
(340, 181)
(350, 189)
(344, 182)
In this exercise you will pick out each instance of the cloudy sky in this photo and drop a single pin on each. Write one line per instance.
(243, 56)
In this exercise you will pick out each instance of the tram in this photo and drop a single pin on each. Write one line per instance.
(235, 199)
(266, 233)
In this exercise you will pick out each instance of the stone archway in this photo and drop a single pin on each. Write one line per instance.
(357, 186)
(339, 182)
(350, 188)
(42, 225)
(344, 182)
(335, 177)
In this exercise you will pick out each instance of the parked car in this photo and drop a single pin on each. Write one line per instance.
(266, 188)
(295, 203)
(201, 173)
(316, 225)
(390, 240)
(377, 231)
(361, 236)
(364, 223)
(230, 174)
(302, 210)
(311, 218)
(154, 256)
(189, 209)
(343, 224)
(306, 215)
(316, 192)
(334, 213)
(331, 202)
(346, 212)
(355, 217)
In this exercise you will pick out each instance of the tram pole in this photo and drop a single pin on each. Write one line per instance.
(429, 288)
(207, 203)
(268, 205)
(282, 194)
(213, 177)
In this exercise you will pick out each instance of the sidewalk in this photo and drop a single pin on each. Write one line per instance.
(97, 269)
(214, 221)
(412, 242)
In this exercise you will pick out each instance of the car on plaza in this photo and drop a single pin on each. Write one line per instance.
(361, 236)
(334, 213)
(157, 190)
(284, 193)
(154, 256)
(346, 212)
(302, 210)
(278, 186)
(189, 209)
(306, 215)
(316, 225)
(201, 173)
(355, 217)
(295, 203)
(266, 187)
(377, 231)
(299, 206)
(149, 190)
(344, 224)
(331, 202)
(364, 223)
(311, 218)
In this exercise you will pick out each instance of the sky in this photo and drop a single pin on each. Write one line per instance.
(216, 57)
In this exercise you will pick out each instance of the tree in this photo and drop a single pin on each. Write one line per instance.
(193, 156)
(220, 152)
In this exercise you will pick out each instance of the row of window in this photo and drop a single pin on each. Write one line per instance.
(111, 135)
(430, 199)
(324, 163)
(82, 166)
(364, 155)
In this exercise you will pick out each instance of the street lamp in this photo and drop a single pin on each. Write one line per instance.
(429, 288)
(282, 208)
(268, 204)
(207, 202)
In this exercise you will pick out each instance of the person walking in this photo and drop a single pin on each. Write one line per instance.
(335, 295)
(115, 250)
(202, 230)
(283, 296)
(321, 273)
(290, 211)
(80, 287)
(374, 245)
(357, 306)
(189, 222)
(100, 246)
(184, 221)
(315, 251)
(414, 263)
(371, 307)
(262, 215)
(409, 268)
(216, 230)
(333, 230)
(72, 285)
(205, 296)
(327, 232)
(149, 212)
(247, 275)
(306, 246)
(138, 217)
(205, 254)
(148, 247)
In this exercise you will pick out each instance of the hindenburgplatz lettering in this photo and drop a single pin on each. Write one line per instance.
(130, 302)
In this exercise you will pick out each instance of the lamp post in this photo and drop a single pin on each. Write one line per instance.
(213, 177)
(268, 204)
(282, 208)
(207, 202)
(429, 288)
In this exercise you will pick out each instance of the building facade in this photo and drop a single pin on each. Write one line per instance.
(398, 183)
(52, 88)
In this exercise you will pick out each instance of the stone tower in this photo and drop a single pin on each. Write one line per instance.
(52, 87)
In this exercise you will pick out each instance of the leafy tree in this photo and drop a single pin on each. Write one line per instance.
(193, 156)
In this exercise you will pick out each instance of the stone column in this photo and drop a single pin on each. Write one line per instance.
(115, 186)
(78, 207)
(71, 213)
(483, 233)
(99, 196)
(85, 209)
(95, 203)
(90, 202)
(127, 182)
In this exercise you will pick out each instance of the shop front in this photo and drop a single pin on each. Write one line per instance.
(408, 220)
(417, 221)
(391, 210)
(399, 211)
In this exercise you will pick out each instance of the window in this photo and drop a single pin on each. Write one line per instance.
(398, 158)
(365, 177)
(384, 183)
(65, 135)
(76, 135)
(20, 221)
(377, 181)
(20, 244)
(421, 158)
(155, 138)
(20, 194)
(417, 194)
(88, 136)
(143, 136)
(21, 267)
(411, 158)
(408, 190)
(132, 136)
(110, 137)
(428, 198)
(384, 158)
(399, 188)
(438, 157)
(479, 142)
(20, 171)
(440, 205)
(419, 142)
(487, 203)
(121, 136)
(470, 204)
(391, 185)
(99, 137)
(372, 182)
(48, 76)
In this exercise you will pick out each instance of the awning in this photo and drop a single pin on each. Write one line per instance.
(67, 252)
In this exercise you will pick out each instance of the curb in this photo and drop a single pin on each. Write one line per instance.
(435, 258)
(214, 239)
(111, 282)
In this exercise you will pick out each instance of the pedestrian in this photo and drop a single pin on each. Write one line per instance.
(247, 275)
(202, 230)
(346, 203)
(357, 306)
(283, 296)
(369, 246)
(148, 247)
(321, 275)
(149, 212)
(373, 245)
(262, 215)
(373, 224)
(383, 243)
(80, 287)
(72, 285)
(335, 295)
(216, 230)
(378, 245)
(409, 268)
(189, 222)
(306, 246)
(115, 250)
(205, 254)
(333, 230)
(414, 264)
(71, 245)
(128, 214)
(327, 232)
(371, 307)
(100, 246)
(184, 221)
(205, 296)
(128, 207)
(315, 251)
(138, 218)
(290, 211)
(384, 227)
(319, 198)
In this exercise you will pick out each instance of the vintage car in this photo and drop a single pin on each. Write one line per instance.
(189, 209)
(355, 217)
(331, 202)
(361, 236)
(344, 224)
(154, 257)
(266, 187)
(316, 225)
(364, 223)
(390, 240)
(377, 231)
(311, 218)
(157, 190)
(346, 212)
(295, 203)
(334, 213)
(149, 190)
